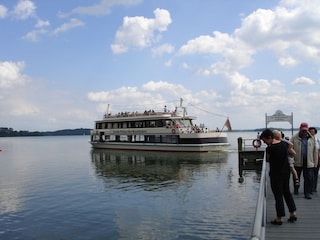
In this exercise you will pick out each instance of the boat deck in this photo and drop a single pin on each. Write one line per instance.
(308, 213)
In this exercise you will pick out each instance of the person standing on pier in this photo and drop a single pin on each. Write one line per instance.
(279, 173)
(306, 158)
(280, 136)
(313, 131)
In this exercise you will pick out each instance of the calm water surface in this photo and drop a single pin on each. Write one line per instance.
(59, 188)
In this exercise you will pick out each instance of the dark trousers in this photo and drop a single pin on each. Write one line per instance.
(280, 189)
(315, 178)
(308, 179)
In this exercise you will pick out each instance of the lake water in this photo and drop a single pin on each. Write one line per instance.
(59, 188)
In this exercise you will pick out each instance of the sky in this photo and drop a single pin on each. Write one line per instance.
(63, 64)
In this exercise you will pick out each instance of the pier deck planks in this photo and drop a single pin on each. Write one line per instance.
(308, 212)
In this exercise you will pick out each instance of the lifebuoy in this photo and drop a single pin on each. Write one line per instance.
(256, 143)
(173, 131)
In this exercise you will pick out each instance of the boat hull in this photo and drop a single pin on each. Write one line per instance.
(207, 147)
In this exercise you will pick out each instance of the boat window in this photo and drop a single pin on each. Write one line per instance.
(159, 123)
(168, 123)
(139, 138)
(123, 138)
(138, 124)
(185, 123)
(157, 138)
(150, 138)
(169, 139)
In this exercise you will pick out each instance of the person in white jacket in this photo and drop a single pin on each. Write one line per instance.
(306, 158)
(313, 131)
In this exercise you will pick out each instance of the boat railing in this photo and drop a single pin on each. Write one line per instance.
(259, 224)
(138, 114)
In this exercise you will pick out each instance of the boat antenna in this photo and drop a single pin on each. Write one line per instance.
(183, 108)
(107, 112)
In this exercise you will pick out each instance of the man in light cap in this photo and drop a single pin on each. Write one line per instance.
(306, 158)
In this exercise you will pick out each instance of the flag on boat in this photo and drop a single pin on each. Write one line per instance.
(228, 125)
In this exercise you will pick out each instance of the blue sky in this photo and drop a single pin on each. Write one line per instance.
(63, 62)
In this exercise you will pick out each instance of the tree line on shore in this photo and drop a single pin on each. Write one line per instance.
(10, 132)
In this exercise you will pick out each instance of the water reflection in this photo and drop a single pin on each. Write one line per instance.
(152, 170)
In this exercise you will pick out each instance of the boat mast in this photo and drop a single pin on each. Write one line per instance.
(183, 108)
(107, 113)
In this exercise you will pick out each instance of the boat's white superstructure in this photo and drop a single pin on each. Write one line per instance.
(156, 131)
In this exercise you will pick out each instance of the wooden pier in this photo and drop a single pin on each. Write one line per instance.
(308, 212)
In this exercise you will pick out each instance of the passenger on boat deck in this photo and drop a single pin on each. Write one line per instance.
(279, 173)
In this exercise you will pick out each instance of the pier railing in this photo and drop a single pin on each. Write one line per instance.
(252, 157)
(259, 224)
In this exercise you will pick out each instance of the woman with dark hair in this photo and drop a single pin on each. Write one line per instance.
(279, 173)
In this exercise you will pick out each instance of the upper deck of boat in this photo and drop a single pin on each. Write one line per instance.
(150, 114)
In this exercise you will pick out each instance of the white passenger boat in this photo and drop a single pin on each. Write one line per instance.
(156, 131)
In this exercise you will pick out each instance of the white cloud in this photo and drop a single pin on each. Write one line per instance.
(303, 81)
(291, 29)
(164, 48)
(287, 61)
(24, 9)
(10, 74)
(254, 98)
(34, 35)
(41, 24)
(3, 11)
(139, 32)
(234, 52)
(206, 44)
(149, 90)
(73, 23)
(151, 95)
(21, 108)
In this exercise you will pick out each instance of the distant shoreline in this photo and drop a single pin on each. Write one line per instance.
(9, 132)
